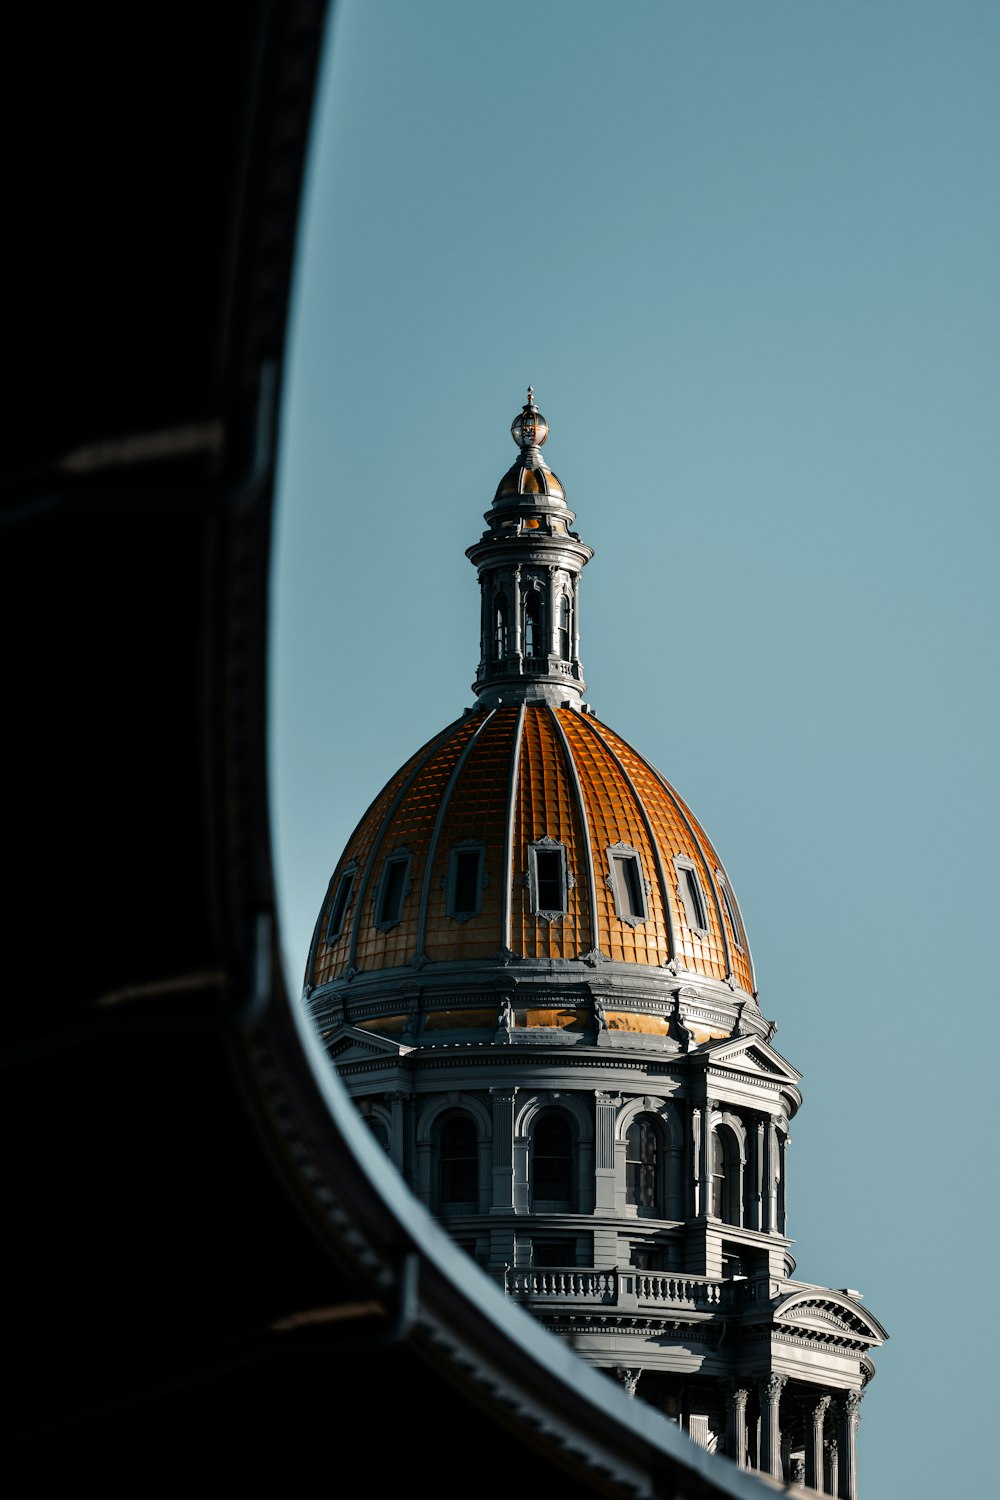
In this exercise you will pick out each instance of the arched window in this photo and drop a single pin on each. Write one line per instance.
(458, 1164)
(552, 1162)
(533, 641)
(642, 1164)
(563, 626)
(500, 626)
(724, 1168)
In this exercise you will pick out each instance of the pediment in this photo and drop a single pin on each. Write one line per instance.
(828, 1315)
(749, 1054)
(353, 1044)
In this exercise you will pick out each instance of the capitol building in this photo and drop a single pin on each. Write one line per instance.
(531, 971)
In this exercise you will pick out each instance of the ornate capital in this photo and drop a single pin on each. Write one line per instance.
(850, 1406)
(771, 1386)
(629, 1378)
(818, 1409)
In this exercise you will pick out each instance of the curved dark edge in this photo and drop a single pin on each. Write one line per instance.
(209, 1254)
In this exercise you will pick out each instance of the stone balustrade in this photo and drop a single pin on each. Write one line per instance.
(616, 1288)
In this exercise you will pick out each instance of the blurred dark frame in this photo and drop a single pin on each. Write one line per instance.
(205, 1259)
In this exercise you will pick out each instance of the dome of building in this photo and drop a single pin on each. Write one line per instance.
(528, 840)
(531, 832)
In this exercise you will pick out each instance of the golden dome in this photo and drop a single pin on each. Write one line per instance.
(529, 833)
(527, 870)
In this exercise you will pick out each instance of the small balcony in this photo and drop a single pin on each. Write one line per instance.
(580, 1289)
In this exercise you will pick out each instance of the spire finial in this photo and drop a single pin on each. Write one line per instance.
(529, 428)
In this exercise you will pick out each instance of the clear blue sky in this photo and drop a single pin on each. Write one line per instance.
(748, 256)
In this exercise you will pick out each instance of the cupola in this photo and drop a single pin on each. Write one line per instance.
(529, 561)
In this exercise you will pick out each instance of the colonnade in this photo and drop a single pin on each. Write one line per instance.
(830, 1426)
(514, 583)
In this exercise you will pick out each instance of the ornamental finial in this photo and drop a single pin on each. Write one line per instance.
(529, 428)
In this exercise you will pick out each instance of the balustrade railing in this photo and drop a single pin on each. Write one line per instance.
(612, 1288)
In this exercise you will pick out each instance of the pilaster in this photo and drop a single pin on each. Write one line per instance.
(605, 1107)
(502, 1102)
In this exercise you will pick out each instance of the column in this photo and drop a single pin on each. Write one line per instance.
(815, 1414)
(736, 1424)
(783, 1140)
(705, 1164)
(515, 605)
(575, 622)
(758, 1175)
(770, 1179)
(770, 1389)
(699, 1157)
(399, 1145)
(550, 609)
(848, 1417)
(502, 1101)
(485, 621)
(830, 1465)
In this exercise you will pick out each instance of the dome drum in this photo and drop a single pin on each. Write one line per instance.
(549, 1004)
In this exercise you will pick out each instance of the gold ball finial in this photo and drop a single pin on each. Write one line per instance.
(529, 428)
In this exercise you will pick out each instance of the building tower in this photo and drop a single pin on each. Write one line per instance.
(531, 971)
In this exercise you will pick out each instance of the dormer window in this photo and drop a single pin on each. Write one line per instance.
(548, 878)
(465, 881)
(627, 884)
(341, 901)
(691, 894)
(392, 888)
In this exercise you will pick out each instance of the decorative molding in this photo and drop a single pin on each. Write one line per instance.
(595, 957)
